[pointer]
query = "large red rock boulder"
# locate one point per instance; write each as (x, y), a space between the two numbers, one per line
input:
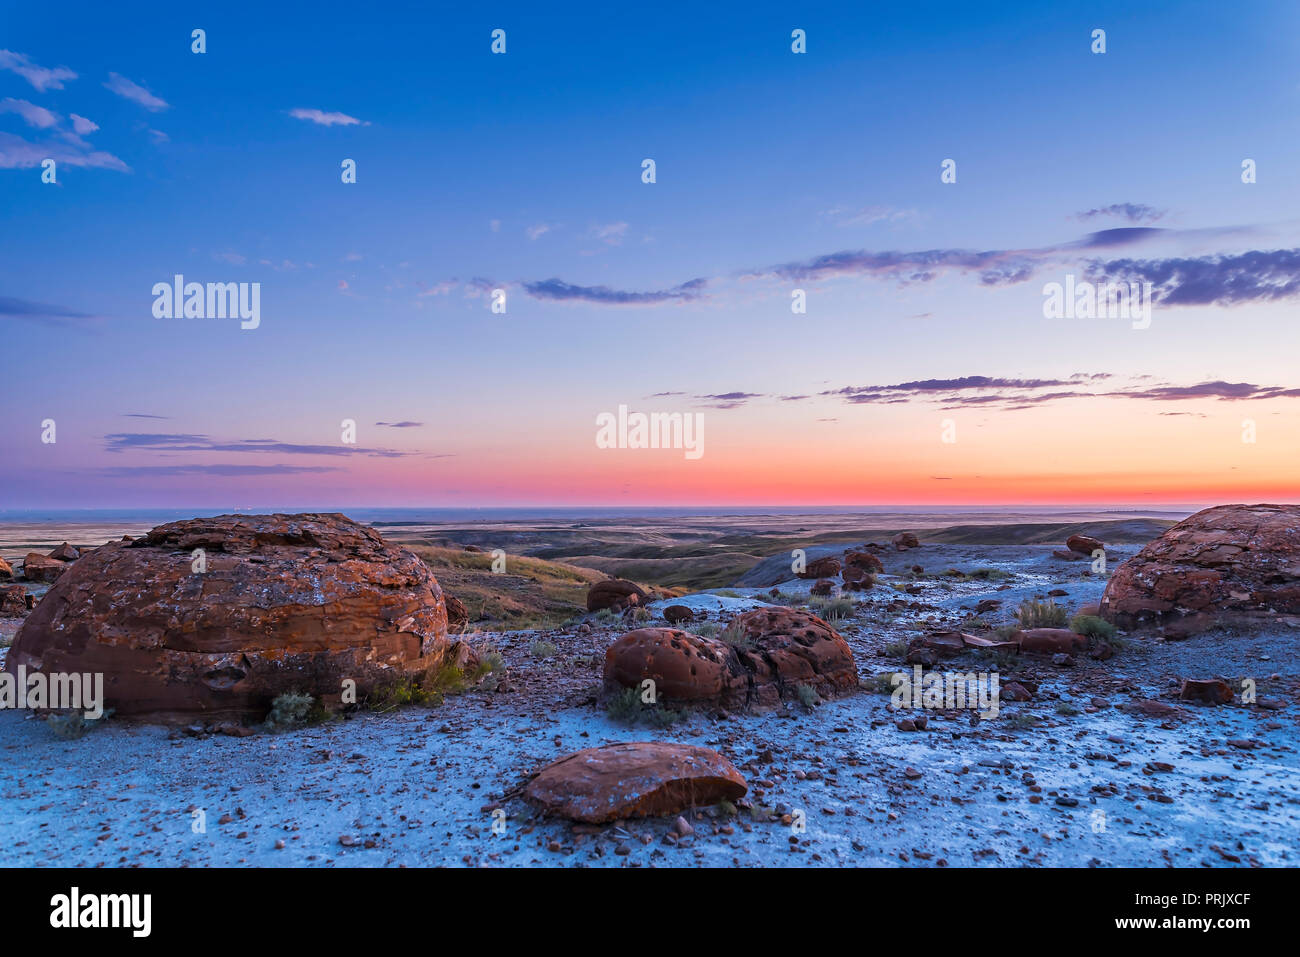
(1207, 690)
(683, 666)
(271, 604)
(42, 568)
(674, 614)
(1084, 544)
(905, 540)
(762, 658)
(821, 568)
(1229, 565)
(6, 571)
(615, 594)
(635, 779)
(864, 560)
(786, 647)
(66, 553)
(13, 601)
(857, 578)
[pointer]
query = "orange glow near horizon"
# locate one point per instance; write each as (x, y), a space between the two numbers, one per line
(1069, 454)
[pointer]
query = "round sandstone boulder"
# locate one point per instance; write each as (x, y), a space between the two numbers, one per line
(218, 616)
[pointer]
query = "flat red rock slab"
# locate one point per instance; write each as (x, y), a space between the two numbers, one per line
(635, 779)
(1209, 690)
(975, 641)
(1050, 641)
(1151, 709)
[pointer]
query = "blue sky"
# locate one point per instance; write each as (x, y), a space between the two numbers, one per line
(478, 170)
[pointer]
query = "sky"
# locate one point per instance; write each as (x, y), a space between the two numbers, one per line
(926, 367)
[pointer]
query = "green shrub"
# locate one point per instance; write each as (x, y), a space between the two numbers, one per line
(883, 683)
(542, 649)
(1000, 660)
(780, 598)
(75, 724)
(735, 636)
(831, 609)
(490, 660)
(1041, 614)
(290, 710)
(626, 707)
(436, 683)
(807, 696)
(1092, 626)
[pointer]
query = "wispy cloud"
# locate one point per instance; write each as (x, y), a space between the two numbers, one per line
(401, 425)
(868, 215)
(186, 442)
(132, 471)
(994, 267)
(559, 291)
(537, 231)
(727, 400)
(34, 116)
(17, 152)
(1011, 393)
(446, 287)
(1254, 276)
(321, 118)
(130, 90)
(1133, 212)
(39, 77)
(67, 149)
(611, 234)
(13, 308)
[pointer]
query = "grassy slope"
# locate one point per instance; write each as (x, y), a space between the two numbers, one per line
(530, 593)
(697, 573)
(1126, 532)
(551, 586)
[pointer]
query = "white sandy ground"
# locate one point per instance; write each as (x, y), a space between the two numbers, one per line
(420, 784)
